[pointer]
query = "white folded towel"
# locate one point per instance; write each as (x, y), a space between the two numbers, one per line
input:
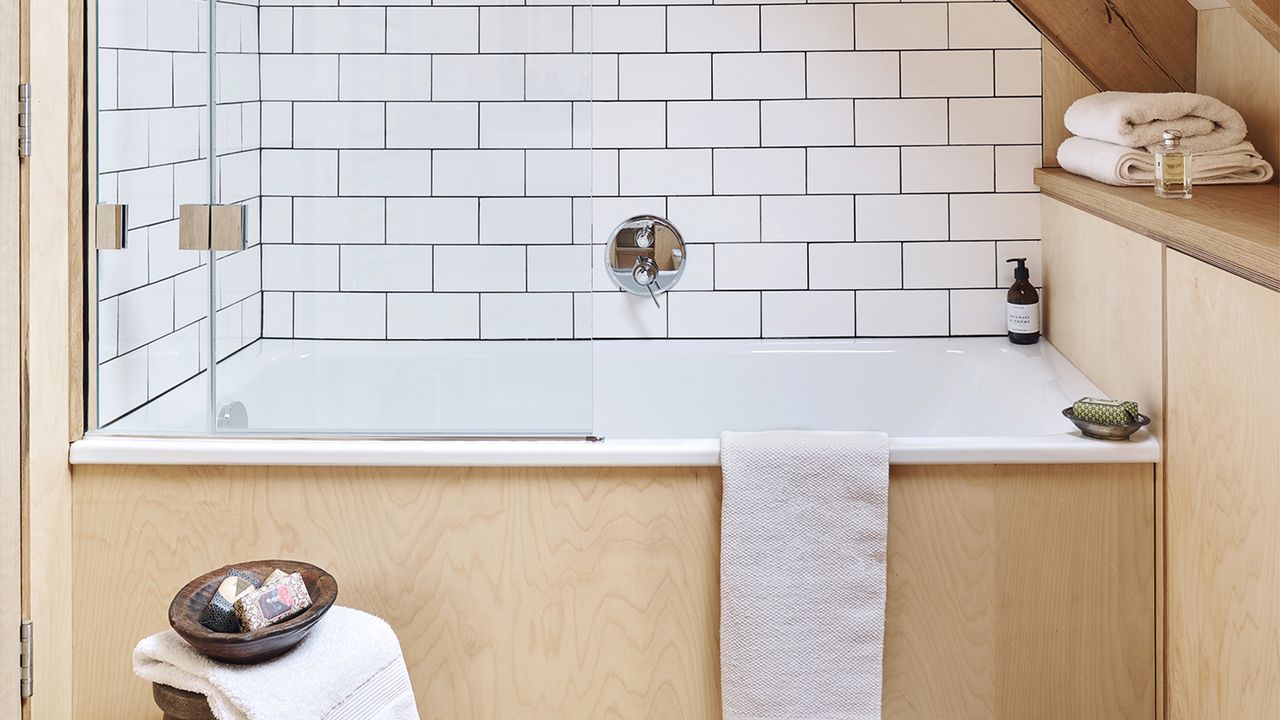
(802, 574)
(1117, 165)
(348, 668)
(1138, 119)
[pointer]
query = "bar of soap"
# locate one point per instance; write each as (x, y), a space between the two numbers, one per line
(1105, 412)
(276, 576)
(220, 615)
(270, 605)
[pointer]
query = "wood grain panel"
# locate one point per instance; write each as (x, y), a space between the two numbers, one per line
(1223, 498)
(1140, 45)
(1014, 592)
(1062, 84)
(1263, 15)
(1238, 67)
(10, 384)
(1103, 289)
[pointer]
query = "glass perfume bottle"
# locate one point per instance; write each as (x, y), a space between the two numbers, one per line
(1173, 167)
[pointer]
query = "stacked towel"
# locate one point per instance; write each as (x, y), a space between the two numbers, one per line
(348, 668)
(1117, 132)
(802, 574)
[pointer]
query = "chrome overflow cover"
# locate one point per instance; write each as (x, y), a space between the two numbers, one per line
(645, 256)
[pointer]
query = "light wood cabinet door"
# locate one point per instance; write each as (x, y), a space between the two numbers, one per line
(1222, 477)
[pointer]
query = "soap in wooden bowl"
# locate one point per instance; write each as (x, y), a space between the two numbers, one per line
(257, 646)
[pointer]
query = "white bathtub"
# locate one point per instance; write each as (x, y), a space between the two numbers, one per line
(616, 402)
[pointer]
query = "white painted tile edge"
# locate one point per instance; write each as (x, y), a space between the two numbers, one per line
(114, 450)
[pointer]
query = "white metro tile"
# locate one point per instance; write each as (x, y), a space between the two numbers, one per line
(946, 73)
(664, 77)
(146, 79)
(125, 25)
(623, 315)
(384, 172)
(652, 172)
(716, 219)
(277, 315)
(1015, 168)
(713, 314)
(855, 266)
(479, 268)
(338, 125)
(938, 169)
(995, 121)
(1029, 249)
(761, 266)
(720, 123)
(339, 30)
(905, 26)
(628, 124)
(526, 29)
(807, 314)
(299, 77)
(778, 171)
(300, 172)
(385, 77)
(277, 125)
(558, 77)
(807, 218)
(338, 220)
(526, 221)
(477, 77)
(852, 74)
(1017, 72)
(478, 172)
(299, 267)
(122, 385)
(604, 174)
(173, 359)
(620, 29)
(608, 213)
(123, 138)
(899, 313)
(433, 30)
(144, 315)
(385, 267)
(901, 217)
(978, 312)
(433, 221)
(275, 34)
(433, 125)
(563, 172)
(712, 28)
(1009, 216)
(149, 195)
(990, 25)
(948, 264)
(748, 76)
(806, 27)
(560, 268)
(433, 316)
(797, 123)
(526, 316)
(901, 122)
(853, 170)
(526, 125)
(340, 315)
(108, 324)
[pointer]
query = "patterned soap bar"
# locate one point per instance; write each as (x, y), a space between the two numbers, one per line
(275, 577)
(269, 605)
(1105, 412)
(219, 615)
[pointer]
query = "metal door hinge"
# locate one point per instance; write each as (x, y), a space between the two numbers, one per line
(24, 120)
(24, 659)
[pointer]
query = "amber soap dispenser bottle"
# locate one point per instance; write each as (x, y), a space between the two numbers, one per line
(1023, 306)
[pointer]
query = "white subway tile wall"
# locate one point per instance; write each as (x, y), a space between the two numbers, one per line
(154, 145)
(418, 171)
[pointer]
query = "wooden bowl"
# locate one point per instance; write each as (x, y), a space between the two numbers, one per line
(257, 646)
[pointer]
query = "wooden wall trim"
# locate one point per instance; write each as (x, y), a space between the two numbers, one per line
(10, 381)
(1139, 45)
(1062, 84)
(1263, 15)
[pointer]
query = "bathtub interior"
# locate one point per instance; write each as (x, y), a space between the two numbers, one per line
(669, 389)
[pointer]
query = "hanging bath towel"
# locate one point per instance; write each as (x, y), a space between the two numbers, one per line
(802, 574)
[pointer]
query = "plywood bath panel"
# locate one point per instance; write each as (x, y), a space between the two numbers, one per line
(1014, 592)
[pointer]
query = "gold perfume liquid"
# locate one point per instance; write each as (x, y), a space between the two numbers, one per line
(1173, 168)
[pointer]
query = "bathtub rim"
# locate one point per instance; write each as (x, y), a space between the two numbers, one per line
(102, 449)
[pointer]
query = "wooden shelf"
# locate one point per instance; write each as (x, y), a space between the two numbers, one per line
(1234, 227)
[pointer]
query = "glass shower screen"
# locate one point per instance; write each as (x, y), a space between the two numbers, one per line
(412, 186)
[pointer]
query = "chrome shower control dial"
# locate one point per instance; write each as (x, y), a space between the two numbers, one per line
(645, 256)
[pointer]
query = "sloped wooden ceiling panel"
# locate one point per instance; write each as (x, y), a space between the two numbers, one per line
(1139, 45)
(1263, 15)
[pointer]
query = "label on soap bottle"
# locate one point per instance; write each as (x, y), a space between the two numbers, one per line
(1024, 319)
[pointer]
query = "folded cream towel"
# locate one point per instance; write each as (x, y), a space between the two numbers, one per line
(1117, 165)
(1138, 119)
(802, 574)
(348, 668)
